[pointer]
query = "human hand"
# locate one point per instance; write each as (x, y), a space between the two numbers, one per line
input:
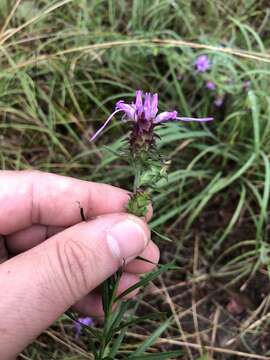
(51, 260)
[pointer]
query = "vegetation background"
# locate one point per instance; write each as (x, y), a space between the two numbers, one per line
(64, 64)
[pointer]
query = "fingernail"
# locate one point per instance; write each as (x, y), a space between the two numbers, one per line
(127, 238)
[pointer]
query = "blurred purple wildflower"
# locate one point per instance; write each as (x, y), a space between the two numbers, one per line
(202, 63)
(246, 85)
(80, 323)
(219, 101)
(210, 85)
(144, 115)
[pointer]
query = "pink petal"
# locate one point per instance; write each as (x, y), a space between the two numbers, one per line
(165, 116)
(104, 125)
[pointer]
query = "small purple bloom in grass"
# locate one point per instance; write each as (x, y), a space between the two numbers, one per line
(202, 63)
(246, 85)
(144, 115)
(219, 101)
(210, 85)
(80, 323)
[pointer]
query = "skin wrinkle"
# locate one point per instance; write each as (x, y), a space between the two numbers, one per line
(63, 268)
(35, 208)
(74, 253)
(51, 283)
(42, 294)
(19, 319)
(72, 258)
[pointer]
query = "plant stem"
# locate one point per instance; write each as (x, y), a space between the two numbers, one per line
(137, 175)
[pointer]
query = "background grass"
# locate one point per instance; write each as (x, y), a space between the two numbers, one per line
(64, 64)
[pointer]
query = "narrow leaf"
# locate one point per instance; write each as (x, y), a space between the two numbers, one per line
(150, 340)
(166, 355)
(148, 278)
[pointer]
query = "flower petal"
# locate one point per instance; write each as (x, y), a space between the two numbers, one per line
(104, 125)
(80, 323)
(147, 106)
(210, 85)
(87, 321)
(194, 119)
(154, 106)
(165, 116)
(129, 110)
(219, 101)
(202, 63)
(138, 101)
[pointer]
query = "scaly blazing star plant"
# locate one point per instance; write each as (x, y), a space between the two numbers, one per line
(147, 163)
(144, 116)
(149, 167)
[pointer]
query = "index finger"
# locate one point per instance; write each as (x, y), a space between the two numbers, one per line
(33, 197)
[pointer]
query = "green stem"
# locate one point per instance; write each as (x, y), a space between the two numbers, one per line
(137, 175)
(113, 282)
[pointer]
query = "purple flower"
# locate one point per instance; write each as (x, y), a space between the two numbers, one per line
(80, 324)
(219, 101)
(202, 63)
(210, 85)
(144, 116)
(246, 85)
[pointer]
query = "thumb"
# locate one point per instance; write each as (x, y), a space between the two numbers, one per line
(40, 284)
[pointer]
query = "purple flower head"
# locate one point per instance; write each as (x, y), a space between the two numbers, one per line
(144, 116)
(80, 323)
(202, 63)
(210, 85)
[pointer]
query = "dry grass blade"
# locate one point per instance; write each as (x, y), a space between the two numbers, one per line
(194, 307)
(137, 42)
(69, 345)
(10, 17)
(208, 348)
(176, 318)
(9, 34)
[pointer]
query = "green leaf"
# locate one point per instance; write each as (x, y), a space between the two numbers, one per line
(146, 260)
(27, 10)
(150, 340)
(109, 288)
(204, 357)
(149, 277)
(140, 319)
(113, 152)
(161, 236)
(253, 102)
(116, 320)
(165, 355)
(117, 343)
